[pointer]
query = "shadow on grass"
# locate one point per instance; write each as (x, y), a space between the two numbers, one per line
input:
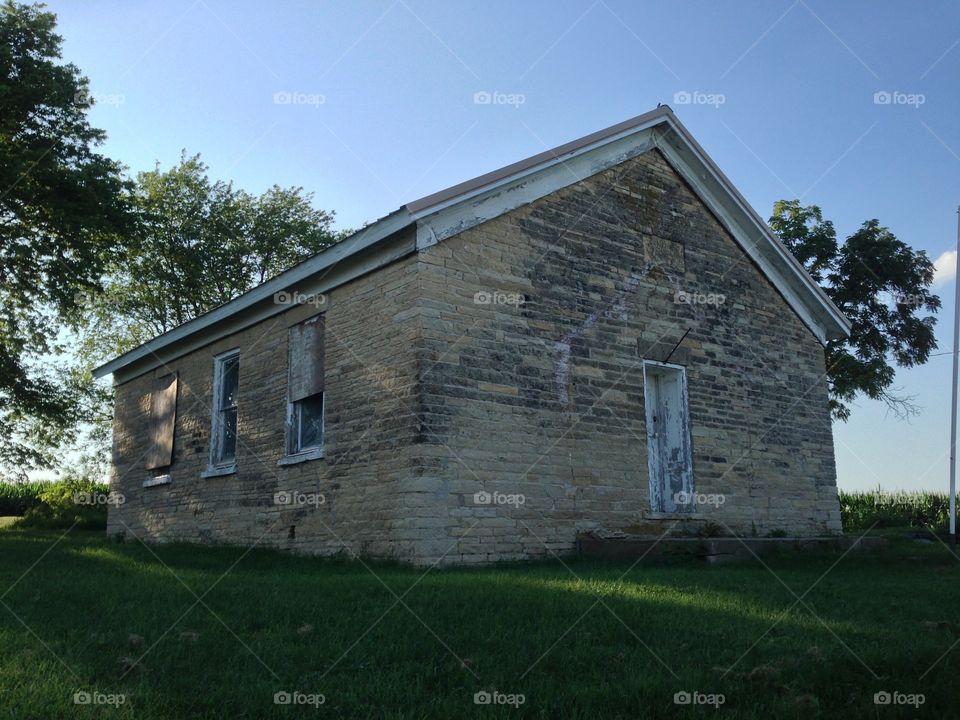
(580, 639)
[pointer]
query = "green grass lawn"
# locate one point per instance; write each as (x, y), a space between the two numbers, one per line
(216, 632)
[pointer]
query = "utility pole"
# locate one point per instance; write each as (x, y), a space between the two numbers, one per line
(953, 407)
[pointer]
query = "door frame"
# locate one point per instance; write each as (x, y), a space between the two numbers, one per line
(657, 500)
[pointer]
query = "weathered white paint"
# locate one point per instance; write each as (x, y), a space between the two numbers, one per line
(453, 219)
(157, 480)
(669, 451)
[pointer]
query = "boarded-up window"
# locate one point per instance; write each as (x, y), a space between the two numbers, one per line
(163, 417)
(306, 359)
(305, 387)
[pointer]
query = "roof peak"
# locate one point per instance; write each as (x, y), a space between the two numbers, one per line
(465, 187)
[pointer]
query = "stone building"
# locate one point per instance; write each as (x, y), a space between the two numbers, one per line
(604, 338)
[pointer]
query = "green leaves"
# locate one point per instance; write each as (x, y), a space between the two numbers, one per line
(63, 213)
(199, 244)
(83, 247)
(812, 240)
(882, 285)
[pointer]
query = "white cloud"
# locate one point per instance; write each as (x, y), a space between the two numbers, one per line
(945, 268)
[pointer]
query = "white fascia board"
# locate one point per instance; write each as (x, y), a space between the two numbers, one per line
(439, 222)
(800, 290)
(750, 243)
(318, 274)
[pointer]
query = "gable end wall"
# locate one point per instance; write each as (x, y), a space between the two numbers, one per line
(534, 387)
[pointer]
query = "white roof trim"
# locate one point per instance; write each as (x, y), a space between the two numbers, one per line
(451, 211)
(454, 216)
(290, 279)
(800, 290)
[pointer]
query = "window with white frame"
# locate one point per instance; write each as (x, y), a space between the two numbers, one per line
(305, 426)
(223, 435)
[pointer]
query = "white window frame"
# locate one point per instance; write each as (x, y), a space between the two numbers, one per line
(294, 451)
(215, 466)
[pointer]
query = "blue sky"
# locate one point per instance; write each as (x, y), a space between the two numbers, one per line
(372, 104)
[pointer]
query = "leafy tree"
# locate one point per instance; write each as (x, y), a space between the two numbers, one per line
(62, 214)
(882, 285)
(199, 244)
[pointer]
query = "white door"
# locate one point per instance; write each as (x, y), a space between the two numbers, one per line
(669, 456)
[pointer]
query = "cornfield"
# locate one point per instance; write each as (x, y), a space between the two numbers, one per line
(882, 509)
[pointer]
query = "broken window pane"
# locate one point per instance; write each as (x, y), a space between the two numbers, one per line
(308, 423)
(228, 437)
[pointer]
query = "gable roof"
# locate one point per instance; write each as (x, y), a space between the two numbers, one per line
(433, 218)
